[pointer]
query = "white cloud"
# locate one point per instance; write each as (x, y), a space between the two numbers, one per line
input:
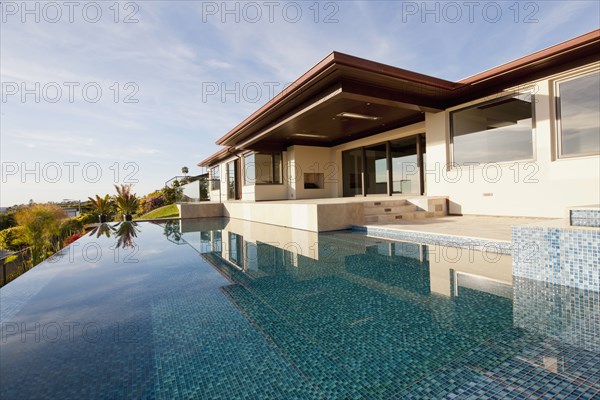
(218, 64)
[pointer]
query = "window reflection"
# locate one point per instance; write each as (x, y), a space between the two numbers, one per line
(493, 132)
(405, 169)
(377, 174)
(263, 169)
(579, 115)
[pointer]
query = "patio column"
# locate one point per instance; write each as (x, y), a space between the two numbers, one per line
(363, 176)
(420, 164)
(388, 156)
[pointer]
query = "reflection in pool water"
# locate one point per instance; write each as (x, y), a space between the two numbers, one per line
(125, 232)
(231, 309)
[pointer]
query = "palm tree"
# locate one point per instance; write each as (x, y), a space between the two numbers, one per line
(185, 170)
(126, 232)
(102, 229)
(102, 205)
(127, 202)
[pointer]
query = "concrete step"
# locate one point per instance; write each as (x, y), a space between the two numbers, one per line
(399, 217)
(385, 203)
(369, 219)
(384, 210)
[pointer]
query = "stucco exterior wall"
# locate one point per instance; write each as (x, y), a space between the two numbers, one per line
(311, 160)
(542, 187)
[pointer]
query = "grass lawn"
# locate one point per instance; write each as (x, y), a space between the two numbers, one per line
(169, 211)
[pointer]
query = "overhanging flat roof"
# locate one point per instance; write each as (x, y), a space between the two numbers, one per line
(307, 112)
(218, 156)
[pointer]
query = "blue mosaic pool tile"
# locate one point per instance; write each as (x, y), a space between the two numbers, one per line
(531, 367)
(567, 313)
(567, 257)
(413, 350)
(206, 349)
(536, 372)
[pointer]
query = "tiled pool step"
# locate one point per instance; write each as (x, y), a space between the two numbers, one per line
(496, 246)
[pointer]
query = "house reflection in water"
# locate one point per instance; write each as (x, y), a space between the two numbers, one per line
(260, 250)
(345, 305)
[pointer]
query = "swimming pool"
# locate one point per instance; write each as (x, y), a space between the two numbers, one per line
(229, 309)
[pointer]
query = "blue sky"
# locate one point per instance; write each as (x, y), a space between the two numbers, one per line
(171, 61)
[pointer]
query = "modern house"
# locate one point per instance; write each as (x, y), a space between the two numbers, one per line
(521, 139)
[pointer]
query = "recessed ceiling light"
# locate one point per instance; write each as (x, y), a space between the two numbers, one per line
(358, 116)
(309, 135)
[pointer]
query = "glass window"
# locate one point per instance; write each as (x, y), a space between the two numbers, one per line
(404, 159)
(377, 172)
(352, 172)
(493, 132)
(249, 169)
(215, 176)
(277, 168)
(578, 115)
(232, 180)
(263, 169)
(406, 177)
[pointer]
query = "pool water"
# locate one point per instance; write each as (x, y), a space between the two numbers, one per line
(199, 310)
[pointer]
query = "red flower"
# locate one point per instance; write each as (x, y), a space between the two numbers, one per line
(73, 238)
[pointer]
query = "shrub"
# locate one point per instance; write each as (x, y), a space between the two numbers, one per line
(7, 220)
(12, 238)
(41, 229)
(172, 194)
(204, 195)
(151, 202)
(70, 227)
(10, 259)
(86, 219)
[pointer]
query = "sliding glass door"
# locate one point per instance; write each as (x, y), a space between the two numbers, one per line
(352, 167)
(405, 166)
(376, 175)
(233, 181)
(394, 167)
